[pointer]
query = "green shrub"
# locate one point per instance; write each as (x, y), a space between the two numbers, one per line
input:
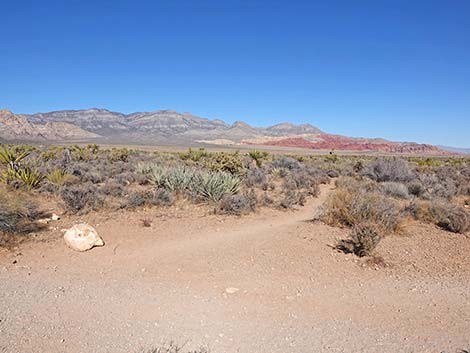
(258, 156)
(224, 162)
(194, 156)
(118, 154)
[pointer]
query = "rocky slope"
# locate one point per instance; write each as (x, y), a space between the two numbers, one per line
(15, 127)
(174, 128)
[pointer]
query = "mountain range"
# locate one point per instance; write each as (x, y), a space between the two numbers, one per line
(168, 127)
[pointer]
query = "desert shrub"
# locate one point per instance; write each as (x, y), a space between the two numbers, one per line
(238, 204)
(448, 216)
(79, 153)
(225, 162)
(434, 186)
(256, 177)
(157, 197)
(332, 173)
(287, 163)
(416, 188)
(80, 197)
(59, 177)
(258, 156)
(354, 184)
(351, 207)
(213, 186)
(394, 189)
(193, 155)
(112, 188)
(362, 241)
(134, 199)
(389, 170)
(292, 198)
(93, 177)
(118, 154)
(17, 216)
(125, 178)
(161, 197)
(172, 347)
(303, 178)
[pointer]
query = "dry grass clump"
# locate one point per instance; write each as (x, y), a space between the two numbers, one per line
(353, 207)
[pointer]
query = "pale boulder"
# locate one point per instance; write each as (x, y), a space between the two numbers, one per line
(82, 237)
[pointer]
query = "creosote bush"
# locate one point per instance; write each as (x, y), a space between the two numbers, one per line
(17, 217)
(394, 189)
(238, 204)
(444, 214)
(352, 207)
(81, 198)
(396, 169)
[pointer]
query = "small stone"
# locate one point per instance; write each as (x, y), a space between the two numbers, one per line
(55, 217)
(231, 290)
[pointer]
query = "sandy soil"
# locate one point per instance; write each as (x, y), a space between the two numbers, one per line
(177, 281)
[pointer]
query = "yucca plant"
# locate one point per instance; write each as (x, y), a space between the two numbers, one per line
(179, 178)
(213, 186)
(29, 177)
(11, 158)
(143, 168)
(157, 175)
(8, 176)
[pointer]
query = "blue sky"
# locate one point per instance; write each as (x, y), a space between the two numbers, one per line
(393, 69)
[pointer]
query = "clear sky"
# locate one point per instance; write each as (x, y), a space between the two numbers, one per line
(393, 69)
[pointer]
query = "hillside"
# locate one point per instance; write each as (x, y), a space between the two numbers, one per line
(168, 127)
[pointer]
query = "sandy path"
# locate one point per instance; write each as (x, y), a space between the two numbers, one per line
(295, 294)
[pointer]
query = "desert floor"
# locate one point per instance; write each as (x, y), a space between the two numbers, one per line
(266, 282)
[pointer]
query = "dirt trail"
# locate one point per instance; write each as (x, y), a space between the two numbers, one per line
(267, 282)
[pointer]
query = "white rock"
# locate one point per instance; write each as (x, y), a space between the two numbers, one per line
(82, 237)
(231, 290)
(55, 217)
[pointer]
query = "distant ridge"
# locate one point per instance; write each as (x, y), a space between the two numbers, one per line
(169, 127)
(455, 149)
